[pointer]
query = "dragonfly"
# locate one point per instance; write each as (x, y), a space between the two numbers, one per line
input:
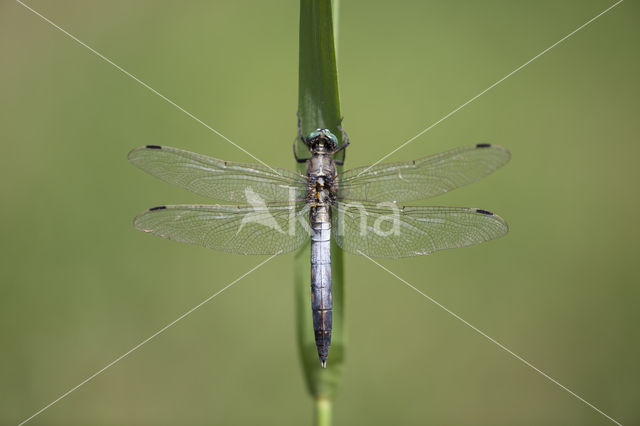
(275, 211)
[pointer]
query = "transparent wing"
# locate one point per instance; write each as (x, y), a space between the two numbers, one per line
(423, 178)
(233, 229)
(218, 179)
(386, 230)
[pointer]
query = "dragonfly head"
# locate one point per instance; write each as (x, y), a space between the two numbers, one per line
(321, 140)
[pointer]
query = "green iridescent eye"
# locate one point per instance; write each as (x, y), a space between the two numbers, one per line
(333, 138)
(313, 135)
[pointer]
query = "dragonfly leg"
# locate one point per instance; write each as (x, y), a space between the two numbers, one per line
(295, 141)
(345, 138)
(346, 143)
(300, 135)
(295, 153)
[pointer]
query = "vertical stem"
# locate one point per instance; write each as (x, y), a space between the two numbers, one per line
(319, 107)
(322, 412)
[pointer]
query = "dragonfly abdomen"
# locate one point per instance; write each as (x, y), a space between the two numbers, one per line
(321, 299)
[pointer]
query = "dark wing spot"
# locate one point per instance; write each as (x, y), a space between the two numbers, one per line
(483, 145)
(153, 147)
(152, 209)
(488, 213)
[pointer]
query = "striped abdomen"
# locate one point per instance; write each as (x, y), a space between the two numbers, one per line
(321, 299)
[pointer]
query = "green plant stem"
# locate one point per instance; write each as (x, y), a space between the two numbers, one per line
(319, 107)
(323, 408)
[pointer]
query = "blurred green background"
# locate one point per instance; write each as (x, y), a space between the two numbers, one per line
(79, 286)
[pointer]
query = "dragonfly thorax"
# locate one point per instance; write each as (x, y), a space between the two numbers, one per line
(322, 177)
(323, 194)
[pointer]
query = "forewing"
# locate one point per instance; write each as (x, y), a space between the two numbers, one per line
(218, 179)
(423, 178)
(386, 231)
(234, 229)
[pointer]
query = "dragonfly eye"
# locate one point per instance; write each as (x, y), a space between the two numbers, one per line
(313, 135)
